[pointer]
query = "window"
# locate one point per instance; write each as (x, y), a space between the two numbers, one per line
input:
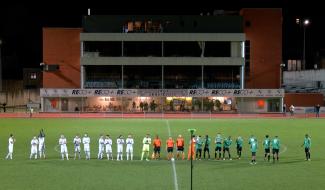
(33, 76)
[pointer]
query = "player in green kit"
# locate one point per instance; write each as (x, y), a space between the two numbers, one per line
(239, 143)
(198, 146)
(267, 145)
(218, 142)
(251, 139)
(226, 147)
(275, 148)
(307, 145)
(207, 141)
(253, 150)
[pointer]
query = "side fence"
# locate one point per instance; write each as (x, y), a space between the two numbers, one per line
(155, 115)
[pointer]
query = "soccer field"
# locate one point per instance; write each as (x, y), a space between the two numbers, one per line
(291, 172)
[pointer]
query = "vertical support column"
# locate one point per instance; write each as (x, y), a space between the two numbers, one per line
(162, 49)
(82, 77)
(82, 104)
(122, 49)
(281, 104)
(82, 69)
(242, 76)
(162, 76)
(122, 76)
(202, 76)
(42, 104)
(242, 68)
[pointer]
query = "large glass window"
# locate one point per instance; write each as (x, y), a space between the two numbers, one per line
(181, 77)
(221, 77)
(182, 49)
(142, 76)
(103, 76)
(217, 49)
(103, 49)
(142, 49)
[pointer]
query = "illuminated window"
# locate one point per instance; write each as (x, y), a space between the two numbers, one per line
(33, 76)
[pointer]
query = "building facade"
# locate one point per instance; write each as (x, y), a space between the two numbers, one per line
(167, 63)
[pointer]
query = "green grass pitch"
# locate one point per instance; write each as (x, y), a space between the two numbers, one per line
(292, 172)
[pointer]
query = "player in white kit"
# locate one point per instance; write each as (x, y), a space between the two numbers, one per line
(33, 149)
(108, 145)
(129, 147)
(76, 143)
(63, 146)
(86, 143)
(120, 142)
(41, 144)
(146, 144)
(11, 142)
(101, 147)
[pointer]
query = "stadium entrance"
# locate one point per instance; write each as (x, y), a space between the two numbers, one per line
(162, 100)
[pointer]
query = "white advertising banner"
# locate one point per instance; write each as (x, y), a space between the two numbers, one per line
(47, 92)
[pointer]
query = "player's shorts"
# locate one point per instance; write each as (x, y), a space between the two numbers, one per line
(145, 148)
(33, 150)
(267, 150)
(108, 149)
(77, 149)
(87, 148)
(206, 149)
(225, 149)
(218, 149)
(41, 147)
(156, 150)
(239, 148)
(119, 148)
(180, 148)
(129, 148)
(10, 149)
(253, 153)
(170, 149)
(307, 149)
(64, 149)
(275, 151)
(101, 148)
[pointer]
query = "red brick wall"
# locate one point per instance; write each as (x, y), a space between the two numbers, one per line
(265, 35)
(62, 46)
(303, 99)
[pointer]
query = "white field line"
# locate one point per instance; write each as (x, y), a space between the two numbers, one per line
(173, 161)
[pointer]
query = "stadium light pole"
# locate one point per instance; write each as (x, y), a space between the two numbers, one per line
(192, 132)
(304, 24)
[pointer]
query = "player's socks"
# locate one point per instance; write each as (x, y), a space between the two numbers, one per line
(67, 156)
(142, 155)
(62, 155)
(127, 156)
(268, 157)
(131, 156)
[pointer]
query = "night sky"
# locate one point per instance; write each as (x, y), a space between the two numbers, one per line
(21, 25)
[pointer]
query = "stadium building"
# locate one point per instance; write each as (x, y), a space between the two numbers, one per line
(227, 62)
